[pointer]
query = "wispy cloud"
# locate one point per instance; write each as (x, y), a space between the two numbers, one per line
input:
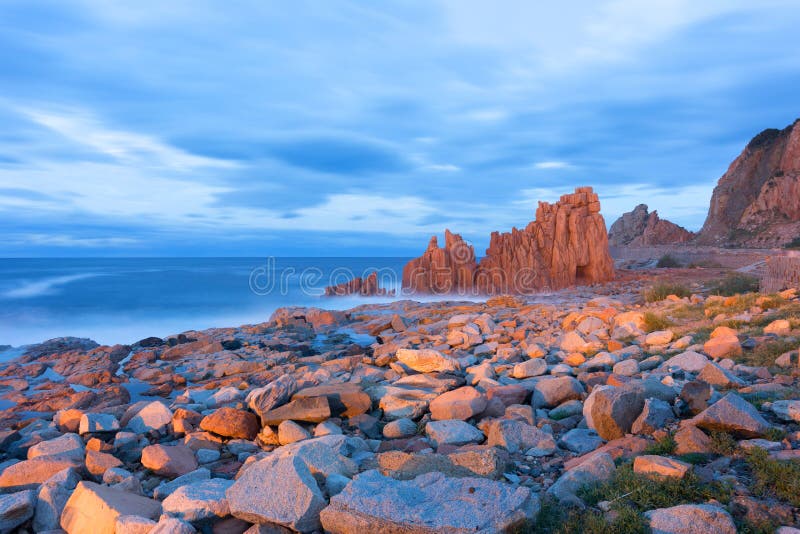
(552, 165)
(80, 127)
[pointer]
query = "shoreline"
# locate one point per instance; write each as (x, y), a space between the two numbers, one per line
(517, 395)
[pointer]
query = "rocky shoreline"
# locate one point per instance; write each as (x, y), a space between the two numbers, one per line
(510, 415)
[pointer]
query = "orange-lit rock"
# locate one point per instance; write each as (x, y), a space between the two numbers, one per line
(566, 245)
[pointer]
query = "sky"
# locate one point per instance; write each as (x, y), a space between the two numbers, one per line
(339, 128)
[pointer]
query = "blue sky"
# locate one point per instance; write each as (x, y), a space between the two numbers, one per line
(361, 128)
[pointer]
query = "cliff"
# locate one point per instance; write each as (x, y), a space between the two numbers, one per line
(565, 245)
(756, 203)
(640, 228)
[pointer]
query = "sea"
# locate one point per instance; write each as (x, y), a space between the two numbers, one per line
(122, 300)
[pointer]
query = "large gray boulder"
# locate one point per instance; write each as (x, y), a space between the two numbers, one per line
(273, 395)
(691, 519)
(431, 503)
(611, 411)
(599, 468)
(16, 508)
(200, 501)
(732, 414)
(278, 490)
(552, 391)
(52, 498)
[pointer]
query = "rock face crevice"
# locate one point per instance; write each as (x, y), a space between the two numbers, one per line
(566, 245)
(639, 228)
(756, 203)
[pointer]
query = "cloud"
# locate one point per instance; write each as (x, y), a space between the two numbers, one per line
(67, 241)
(441, 167)
(339, 155)
(552, 165)
(369, 126)
(80, 127)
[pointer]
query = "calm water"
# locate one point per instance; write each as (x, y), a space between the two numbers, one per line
(124, 300)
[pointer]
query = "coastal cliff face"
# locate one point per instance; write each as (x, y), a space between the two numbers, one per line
(566, 245)
(756, 203)
(640, 228)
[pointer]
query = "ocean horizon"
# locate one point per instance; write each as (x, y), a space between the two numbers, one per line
(122, 300)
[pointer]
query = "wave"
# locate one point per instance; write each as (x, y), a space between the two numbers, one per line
(45, 286)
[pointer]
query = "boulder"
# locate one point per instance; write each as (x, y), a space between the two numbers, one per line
(732, 414)
(28, 474)
(274, 394)
(95, 508)
(97, 463)
(529, 368)
(716, 375)
(660, 466)
(690, 439)
(427, 360)
(291, 432)
(400, 428)
(724, 343)
(231, 423)
(345, 400)
(517, 436)
(430, 503)
(552, 391)
(310, 410)
(52, 497)
(659, 337)
(461, 403)
(97, 423)
(611, 411)
(599, 467)
(169, 460)
(779, 327)
(16, 508)
(66, 446)
(691, 519)
(656, 414)
(696, 394)
(787, 410)
(199, 501)
(580, 440)
(452, 432)
(278, 490)
(690, 361)
(152, 417)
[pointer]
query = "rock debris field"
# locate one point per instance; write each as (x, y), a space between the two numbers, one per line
(588, 410)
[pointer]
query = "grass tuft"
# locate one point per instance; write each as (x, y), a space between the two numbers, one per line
(774, 478)
(735, 284)
(656, 321)
(662, 290)
(668, 261)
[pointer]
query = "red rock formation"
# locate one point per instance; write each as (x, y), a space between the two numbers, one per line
(639, 228)
(442, 270)
(757, 201)
(566, 245)
(366, 287)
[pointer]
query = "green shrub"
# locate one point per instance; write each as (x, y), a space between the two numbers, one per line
(774, 478)
(662, 447)
(723, 444)
(655, 321)
(644, 493)
(735, 284)
(661, 291)
(668, 261)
